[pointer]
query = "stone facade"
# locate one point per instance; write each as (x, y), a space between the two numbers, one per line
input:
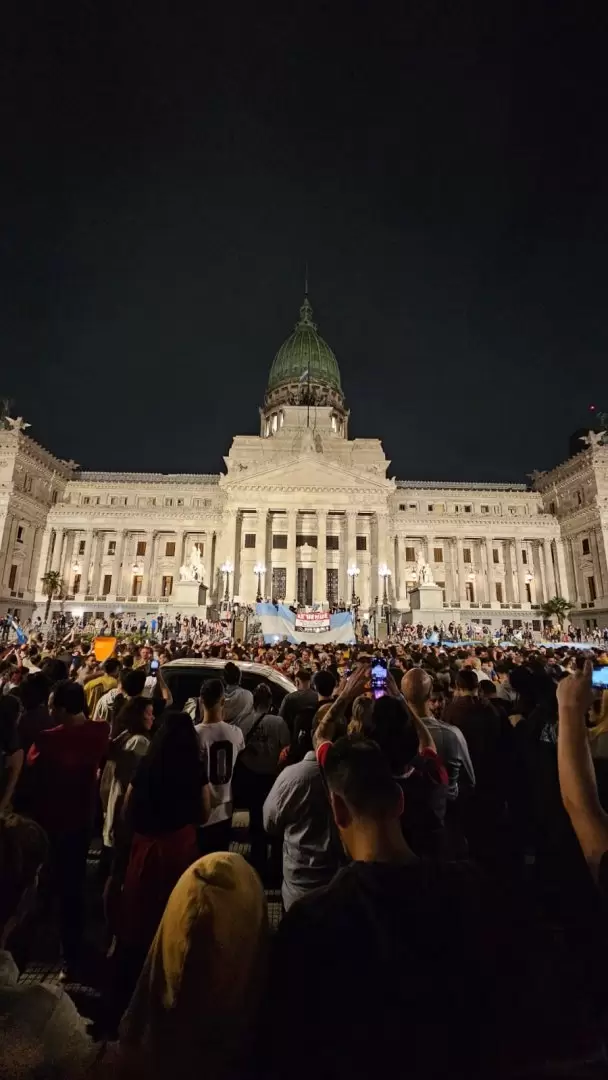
(297, 507)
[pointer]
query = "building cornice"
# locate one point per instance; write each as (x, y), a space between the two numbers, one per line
(458, 486)
(145, 478)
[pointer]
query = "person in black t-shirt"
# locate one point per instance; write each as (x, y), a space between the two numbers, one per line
(412, 959)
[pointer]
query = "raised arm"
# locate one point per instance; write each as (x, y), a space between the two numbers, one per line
(576, 772)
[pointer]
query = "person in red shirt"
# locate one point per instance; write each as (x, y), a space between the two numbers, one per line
(65, 760)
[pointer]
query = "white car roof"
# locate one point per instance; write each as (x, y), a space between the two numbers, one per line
(194, 662)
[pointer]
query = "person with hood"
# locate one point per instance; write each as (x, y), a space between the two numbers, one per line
(238, 702)
(197, 999)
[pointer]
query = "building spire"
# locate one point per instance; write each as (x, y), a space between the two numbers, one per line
(306, 280)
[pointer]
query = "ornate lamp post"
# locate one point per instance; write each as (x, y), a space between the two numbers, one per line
(259, 569)
(353, 573)
(384, 573)
(226, 569)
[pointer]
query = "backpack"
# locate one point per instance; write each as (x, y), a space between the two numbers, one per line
(301, 742)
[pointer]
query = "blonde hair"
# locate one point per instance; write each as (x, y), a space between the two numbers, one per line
(361, 716)
(602, 724)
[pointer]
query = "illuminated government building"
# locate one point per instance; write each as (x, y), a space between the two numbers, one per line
(304, 504)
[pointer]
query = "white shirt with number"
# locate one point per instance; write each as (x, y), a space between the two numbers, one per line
(220, 744)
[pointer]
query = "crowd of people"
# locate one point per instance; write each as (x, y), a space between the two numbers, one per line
(433, 815)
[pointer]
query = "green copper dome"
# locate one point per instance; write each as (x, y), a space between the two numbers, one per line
(303, 348)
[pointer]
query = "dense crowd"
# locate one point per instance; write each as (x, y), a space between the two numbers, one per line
(432, 813)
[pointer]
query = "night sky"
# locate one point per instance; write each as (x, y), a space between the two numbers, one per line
(167, 170)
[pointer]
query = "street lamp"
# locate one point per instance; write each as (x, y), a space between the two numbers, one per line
(353, 573)
(384, 573)
(226, 568)
(259, 569)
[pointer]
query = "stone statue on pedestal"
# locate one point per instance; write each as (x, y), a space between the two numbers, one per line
(425, 574)
(193, 570)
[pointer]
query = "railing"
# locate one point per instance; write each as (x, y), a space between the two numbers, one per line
(473, 604)
(120, 599)
(134, 599)
(486, 605)
(89, 596)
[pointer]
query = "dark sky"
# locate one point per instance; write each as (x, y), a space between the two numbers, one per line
(168, 169)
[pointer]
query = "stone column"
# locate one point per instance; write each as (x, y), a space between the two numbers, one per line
(564, 587)
(401, 570)
(490, 590)
(550, 588)
(30, 582)
(121, 538)
(602, 555)
(580, 594)
(521, 573)
(97, 561)
(320, 584)
(58, 550)
(291, 586)
(10, 547)
(229, 547)
(540, 580)
(44, 557)
(86, 563)
(148, 564)
(597, 566)
(462, 590)
(260, 547)
(508, 558)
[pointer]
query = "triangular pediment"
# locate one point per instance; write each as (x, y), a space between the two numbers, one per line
(308, 472)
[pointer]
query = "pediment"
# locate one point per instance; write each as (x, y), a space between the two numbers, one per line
(308, 472)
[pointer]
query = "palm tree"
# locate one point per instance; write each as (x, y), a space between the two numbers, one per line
(558, 607)
(51, 585)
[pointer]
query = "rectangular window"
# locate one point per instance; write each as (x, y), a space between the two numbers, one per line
(12, 577)
(76, 585)
(499, 592)
(179, 502)
(20, 532)
(591, 585)
(279, 582)
(528, 592)
(402, 506)
(438, 554)
(332, 543)
(166, 585)
(170, 549)
(168, 502)
(470, 590)
(81, 546)
(249, 541)
(279, 540)
(86, 500)
(579, 498)
(54, 497)
(304, 538)
(412, 506)
(141, 549)
(495, 555)
(331, 577)
(466, 555)
(468, 509)
(107, 584)
(410, 554)
(136, 585)
(484, 509)
(430, 507)
(362, 543)
(513, 510)
(524, 556)
(111, 547)
(27, 483)
(586, 545)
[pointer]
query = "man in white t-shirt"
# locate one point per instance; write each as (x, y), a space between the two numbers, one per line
(220, 744)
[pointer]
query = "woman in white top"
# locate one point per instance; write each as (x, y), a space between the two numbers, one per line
(126, 750)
